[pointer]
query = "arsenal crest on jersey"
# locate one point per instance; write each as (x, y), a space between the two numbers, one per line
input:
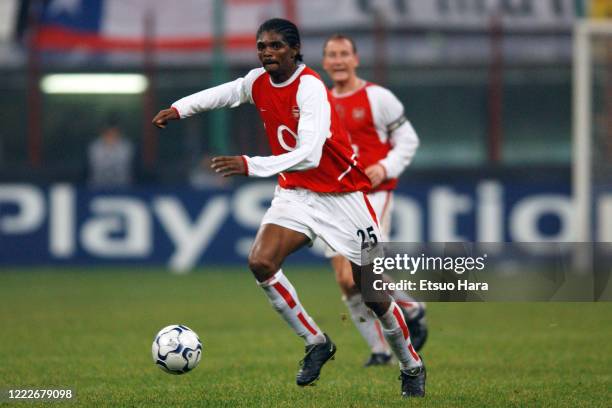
(295, 112)
(358, 113)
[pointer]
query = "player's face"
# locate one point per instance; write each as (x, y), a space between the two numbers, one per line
(339, 60)
(276, 56)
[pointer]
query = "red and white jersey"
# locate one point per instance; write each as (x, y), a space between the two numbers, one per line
(378, 129)
(310, 147)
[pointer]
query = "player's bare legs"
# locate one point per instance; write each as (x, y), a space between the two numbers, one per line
(364, 319)
(344, 275)
(272, 245)
(378, 301)
(395, 330)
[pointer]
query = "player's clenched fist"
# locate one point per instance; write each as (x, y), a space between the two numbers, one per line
(229, 165)
(376, 173)
(163, 116)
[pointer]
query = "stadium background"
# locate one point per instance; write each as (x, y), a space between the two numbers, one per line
(487, 85)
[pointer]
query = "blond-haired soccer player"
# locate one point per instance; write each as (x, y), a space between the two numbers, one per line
(385, 143)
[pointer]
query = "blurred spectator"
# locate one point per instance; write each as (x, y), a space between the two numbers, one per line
(110, 158)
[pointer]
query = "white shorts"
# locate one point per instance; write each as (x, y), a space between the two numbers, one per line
(342, 220)
(382, 203)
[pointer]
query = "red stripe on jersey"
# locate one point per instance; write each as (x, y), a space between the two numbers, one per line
(400, 320)
(306, 324)
(285, 294)
(370, 209)
(414, 353)
(176, 110)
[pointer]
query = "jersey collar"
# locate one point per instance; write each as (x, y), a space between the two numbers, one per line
(297, 73)
(347, 94)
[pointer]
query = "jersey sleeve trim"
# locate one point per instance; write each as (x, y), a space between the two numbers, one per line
(246, 165)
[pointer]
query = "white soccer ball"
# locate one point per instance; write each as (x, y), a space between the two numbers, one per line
(176, 349)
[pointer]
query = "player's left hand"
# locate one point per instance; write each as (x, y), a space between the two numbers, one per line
(376, 173)
(229, 166)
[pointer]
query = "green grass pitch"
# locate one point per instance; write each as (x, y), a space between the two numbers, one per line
(91, 330)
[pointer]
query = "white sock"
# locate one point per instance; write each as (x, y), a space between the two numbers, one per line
(368, 325)
(407, 303)
(284, 300)
(398, 337)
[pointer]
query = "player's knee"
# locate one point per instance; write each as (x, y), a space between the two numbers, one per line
(261, 266)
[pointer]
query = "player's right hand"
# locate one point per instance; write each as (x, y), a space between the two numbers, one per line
(376, 173)
(163, 116)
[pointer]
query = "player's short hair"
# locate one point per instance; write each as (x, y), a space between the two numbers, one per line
(287, 29)
(339, 36)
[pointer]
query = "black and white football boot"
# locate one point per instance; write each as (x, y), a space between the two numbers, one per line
(413, 382)
(316, 356)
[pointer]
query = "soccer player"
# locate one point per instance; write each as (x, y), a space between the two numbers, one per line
(319, 193)
(385, 143)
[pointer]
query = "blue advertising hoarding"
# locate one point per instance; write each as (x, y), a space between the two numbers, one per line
(182, 228)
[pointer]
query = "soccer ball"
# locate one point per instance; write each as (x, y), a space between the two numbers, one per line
(176, 349)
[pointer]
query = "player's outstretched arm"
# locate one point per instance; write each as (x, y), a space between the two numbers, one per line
(163, 116)
(227, 95)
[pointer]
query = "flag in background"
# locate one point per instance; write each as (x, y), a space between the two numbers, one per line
(108, 25)
(121, 25)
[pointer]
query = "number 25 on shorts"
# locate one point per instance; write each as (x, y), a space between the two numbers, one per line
(368, 233)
